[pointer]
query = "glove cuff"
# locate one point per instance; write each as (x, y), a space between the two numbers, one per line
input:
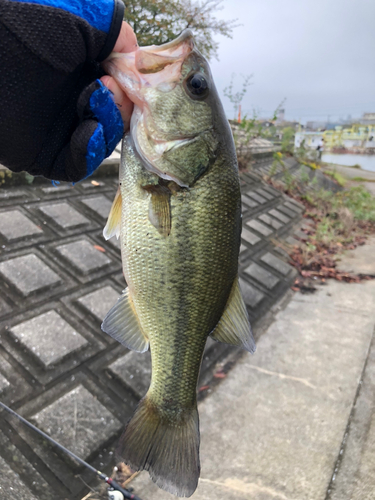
(114, 31)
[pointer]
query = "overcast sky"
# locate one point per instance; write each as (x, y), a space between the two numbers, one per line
(318, 54)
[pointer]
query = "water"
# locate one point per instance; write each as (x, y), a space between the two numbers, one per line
(367, 162)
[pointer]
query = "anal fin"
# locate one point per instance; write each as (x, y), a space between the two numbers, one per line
(122, 324)
(234, 326)
(114, 218)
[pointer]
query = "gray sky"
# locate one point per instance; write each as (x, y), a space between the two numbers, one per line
(319, 54)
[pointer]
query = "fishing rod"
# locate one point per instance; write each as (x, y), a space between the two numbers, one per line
(102, 476)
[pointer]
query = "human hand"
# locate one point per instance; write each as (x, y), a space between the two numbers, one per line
(126, 42)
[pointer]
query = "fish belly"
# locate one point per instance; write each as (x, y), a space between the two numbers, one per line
(179, 285)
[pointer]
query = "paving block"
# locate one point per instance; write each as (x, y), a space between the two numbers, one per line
(279, 215)
(83, 256)
(248, 201)
(100, 302)
(135, 370)
(14, 224)
(11, 485)
(4, 307)
(295, 208)
(115, 242)
(78, 421)
(256, 197)
(265, 194)
(296, 204)
(251, 296)
(28, 274)
(57, 189)
(89, 185)
(264, 277)
(301, 235)
(273, 261)
(4, 383)
(64, 215)
(271, 190)
(270, 221)
(292, 241)
(99, 204)
(287, 211)
(249, 237)
(243, 248)
(49, 337)
(258, 226)
(11, 193)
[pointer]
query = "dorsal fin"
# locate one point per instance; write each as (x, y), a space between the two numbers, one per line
(122, 324)
(234, 326)
(114, 218)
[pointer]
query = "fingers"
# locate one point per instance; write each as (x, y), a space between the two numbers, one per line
(126, 41)
(121, 99)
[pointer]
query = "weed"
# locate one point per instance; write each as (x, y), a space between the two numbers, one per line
(361, 179)
(341, 181)
(339, 221)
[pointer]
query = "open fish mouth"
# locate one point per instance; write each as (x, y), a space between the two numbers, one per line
(171, 125)
(151, 66)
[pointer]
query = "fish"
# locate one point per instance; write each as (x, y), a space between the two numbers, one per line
(177, 213)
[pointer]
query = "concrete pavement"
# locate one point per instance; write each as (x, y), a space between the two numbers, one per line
(296, 421)
(58, 279)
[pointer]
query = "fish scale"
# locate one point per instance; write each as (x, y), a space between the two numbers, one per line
(180, 236)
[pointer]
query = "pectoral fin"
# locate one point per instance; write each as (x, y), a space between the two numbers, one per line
(114, 218)
(122, 324)
(234, 327)
(159, 212)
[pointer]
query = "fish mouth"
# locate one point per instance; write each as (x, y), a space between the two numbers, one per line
(186, 37)
(151, 66)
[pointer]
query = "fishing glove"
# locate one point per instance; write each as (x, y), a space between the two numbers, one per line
(56, 118)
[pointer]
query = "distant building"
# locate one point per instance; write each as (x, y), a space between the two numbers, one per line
(315, 125)
(311, 140)
(368, 119)
(357, 139)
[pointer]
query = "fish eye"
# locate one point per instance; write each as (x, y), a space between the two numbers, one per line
(197, 86)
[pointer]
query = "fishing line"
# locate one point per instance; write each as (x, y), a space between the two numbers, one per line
(102, 476)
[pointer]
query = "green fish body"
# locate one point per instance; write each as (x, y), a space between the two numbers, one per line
(179, 219)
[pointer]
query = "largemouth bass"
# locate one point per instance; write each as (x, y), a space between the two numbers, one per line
(178, 215)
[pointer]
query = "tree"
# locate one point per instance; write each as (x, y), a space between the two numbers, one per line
(160, 21)
(236, 97)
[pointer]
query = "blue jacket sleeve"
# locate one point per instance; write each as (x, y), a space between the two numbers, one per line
(56, 118)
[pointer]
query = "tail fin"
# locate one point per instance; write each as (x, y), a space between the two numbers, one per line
(167, 448)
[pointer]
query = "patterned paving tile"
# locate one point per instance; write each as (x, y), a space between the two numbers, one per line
(64, 215)
(78, 421)
(99, 302)
(49, 337)
(14, 224)
(28, 274)
(83, 256)
(99, 204)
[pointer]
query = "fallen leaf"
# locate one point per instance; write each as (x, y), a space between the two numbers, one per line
(101, 249)
(204, 388)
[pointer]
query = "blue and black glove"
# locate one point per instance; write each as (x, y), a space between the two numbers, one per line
(56, 118)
